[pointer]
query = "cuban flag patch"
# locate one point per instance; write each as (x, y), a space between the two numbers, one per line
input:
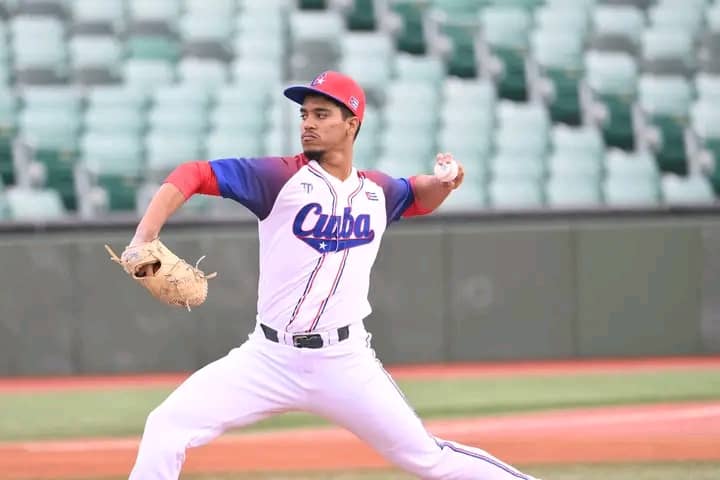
(371, 196)
(354, 103)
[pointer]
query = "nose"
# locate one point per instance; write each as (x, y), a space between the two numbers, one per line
(308, 124)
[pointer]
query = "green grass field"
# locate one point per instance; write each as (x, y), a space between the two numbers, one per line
(57, 415)
(661, 471)
(666, 471)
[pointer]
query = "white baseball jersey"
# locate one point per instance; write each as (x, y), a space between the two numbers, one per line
(319, 236)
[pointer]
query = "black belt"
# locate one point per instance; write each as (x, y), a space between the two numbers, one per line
(305, 340)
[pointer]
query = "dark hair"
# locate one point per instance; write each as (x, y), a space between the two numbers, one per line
(344, 111)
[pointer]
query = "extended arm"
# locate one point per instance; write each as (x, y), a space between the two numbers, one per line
(185, 181)
(431, 192)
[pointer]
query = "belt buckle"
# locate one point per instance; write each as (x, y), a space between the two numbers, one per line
(312, 340)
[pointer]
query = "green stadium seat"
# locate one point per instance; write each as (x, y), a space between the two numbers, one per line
(114, 163)
(571, 191)
(361, 16)
(411, 35)
(569, 164)
(523, 117)
(214, 8)
(400, 165)
(666, 103)
(316, 32)
(205, 72)
(259, 22)
(686, 16)
(403, 144)
(471, 197)
(153, 47)
(229, 144)
(241, 121)
(515, 193)
(148, 74)
(166, 11)
(563, 19)
(372, 75)
(181, 120)
(693, 189)
(507, 166)
(182, 95)
(419, 68)
(98, 55)
(713, 17)
(166, 151)
(122, 119)
(612, 78)
(506, 31)
(669, 52)
(263, 71)
(93, 51)
(627, 192)
(63, 97)
(459, 10)
(631, 165)
(112, 153)
(252, 95)
(206, 26)
(559, 57)
(708, 87)
(617, 28)
(8, 123)
(109, 96)
(577, 141)
(534, 143)
(471, 145)
(365, 151)
(108, 12)
(251, 47)
(705, 120)
(378, 45)
(32, 204)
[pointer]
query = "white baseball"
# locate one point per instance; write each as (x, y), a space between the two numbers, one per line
(446, 171)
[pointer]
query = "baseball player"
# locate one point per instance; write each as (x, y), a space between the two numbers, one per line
(320, 221)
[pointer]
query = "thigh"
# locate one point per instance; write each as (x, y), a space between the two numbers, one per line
(248, 384)
(358, 394)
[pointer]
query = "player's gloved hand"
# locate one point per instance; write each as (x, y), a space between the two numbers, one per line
(455, 170)
(166, 276)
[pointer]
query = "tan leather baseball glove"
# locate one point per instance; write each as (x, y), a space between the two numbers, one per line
(171, 280)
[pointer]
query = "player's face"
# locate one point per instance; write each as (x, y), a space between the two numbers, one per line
(323, 127)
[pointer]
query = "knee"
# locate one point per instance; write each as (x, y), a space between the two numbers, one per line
(162, 423)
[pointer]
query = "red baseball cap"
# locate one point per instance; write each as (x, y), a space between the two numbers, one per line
(335, 85)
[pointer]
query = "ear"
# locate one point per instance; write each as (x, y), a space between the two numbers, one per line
(354, 124)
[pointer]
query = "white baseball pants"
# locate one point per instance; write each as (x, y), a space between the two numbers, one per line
(344, 383)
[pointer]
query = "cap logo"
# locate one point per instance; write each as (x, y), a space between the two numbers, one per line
(319, 80)
(354, 103)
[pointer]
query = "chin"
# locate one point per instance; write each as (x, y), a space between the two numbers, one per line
(314, 154)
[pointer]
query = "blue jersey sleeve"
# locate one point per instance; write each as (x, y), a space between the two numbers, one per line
(398, 193)
(254, 182)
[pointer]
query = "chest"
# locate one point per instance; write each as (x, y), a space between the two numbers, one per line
(333, 216)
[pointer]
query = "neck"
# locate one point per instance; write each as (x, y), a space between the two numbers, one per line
(337, 164)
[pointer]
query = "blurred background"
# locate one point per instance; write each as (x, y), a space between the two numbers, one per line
(587, 225)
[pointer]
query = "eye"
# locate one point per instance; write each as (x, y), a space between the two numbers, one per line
(322, 115)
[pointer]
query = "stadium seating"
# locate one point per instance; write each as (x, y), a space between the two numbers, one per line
(549, 103)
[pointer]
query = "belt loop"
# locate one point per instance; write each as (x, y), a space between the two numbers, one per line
(270, 333)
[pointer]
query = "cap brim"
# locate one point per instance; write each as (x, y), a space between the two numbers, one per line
(297, 93)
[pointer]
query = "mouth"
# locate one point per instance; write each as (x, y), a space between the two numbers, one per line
(308, 137)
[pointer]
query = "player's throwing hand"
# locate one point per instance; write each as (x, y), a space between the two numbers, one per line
(449, 171)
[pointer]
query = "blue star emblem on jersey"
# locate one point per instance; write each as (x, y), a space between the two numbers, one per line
(332, 233)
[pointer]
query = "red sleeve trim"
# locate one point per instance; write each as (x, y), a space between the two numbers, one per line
(194, 177)
(415, 209)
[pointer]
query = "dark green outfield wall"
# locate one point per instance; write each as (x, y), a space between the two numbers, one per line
(487, 287)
